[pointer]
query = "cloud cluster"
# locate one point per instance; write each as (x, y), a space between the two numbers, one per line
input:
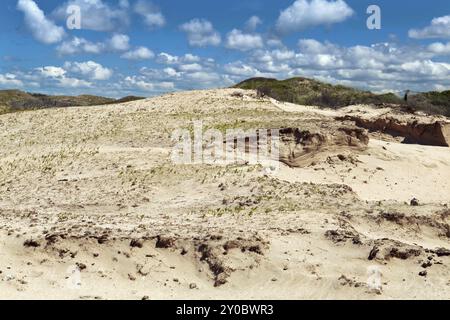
(440, 48)
(238, 40)
(90, 69)
(303, 14)
(10, 80)
(439, 28)
(201, 33)
(58, 76)
(380, 67)
(252, 23)
(116, 43)
(97, 15)
(187, 71)
(71, 75)
(43, 29)
(141, 83)
(152, 16)
(140, 53)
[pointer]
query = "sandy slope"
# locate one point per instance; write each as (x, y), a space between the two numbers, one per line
(93, 190)
(386, 171)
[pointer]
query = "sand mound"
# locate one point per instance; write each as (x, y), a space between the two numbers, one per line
(303, 147)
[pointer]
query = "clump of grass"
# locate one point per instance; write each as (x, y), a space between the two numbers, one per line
(311, 92)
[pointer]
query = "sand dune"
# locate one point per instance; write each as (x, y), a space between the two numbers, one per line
(92, 207)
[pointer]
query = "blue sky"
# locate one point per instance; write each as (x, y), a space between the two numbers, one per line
(144, 47)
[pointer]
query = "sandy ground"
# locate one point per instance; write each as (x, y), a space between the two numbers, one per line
(91, 207)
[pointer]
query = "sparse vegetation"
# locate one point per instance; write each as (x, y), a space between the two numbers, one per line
(432, 102)
(16, 100)
(311, 92)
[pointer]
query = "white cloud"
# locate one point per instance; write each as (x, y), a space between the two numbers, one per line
(79, 45)
(439, 28)
(428, 69)
(171, 72)
(97, 15)
(192, 67)
(380, 67)
(74, 83)
(240, 69)
(10, 80)
(169, 59)
(43, 29)
(142, 84)
(166, 58)
(91, 69)
(151, 14)
(440, 48)
(201, 33)
(253, 23)
(275, 43)
(203, 76)
(303, 14)
(52, 72)
(191, 58)
(59, 75)
(140, 53)
(238, 40)
(119, 42)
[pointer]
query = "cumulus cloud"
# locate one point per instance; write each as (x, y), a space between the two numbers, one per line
(141, 83)
(52, 72)
(150, 13)
(43, 29)
(140, 53)
(238, 40)
(439, 28)
(427, 69)
(239, 68)
(380, 67)
(201, 33)
(117, 43)
(166, 58)
(303, 14)
(10, 80)
(74, 83)
(191, 67)
(275, 43)
(60, 78)
(79, 45)
(191, 58)
(440, 48)
(91, 69)
(97, 15)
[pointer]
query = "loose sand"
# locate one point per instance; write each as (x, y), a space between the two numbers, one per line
(91, 207)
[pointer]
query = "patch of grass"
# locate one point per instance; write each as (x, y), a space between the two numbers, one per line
(16, 100)
(432, 102)
(311, 92)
